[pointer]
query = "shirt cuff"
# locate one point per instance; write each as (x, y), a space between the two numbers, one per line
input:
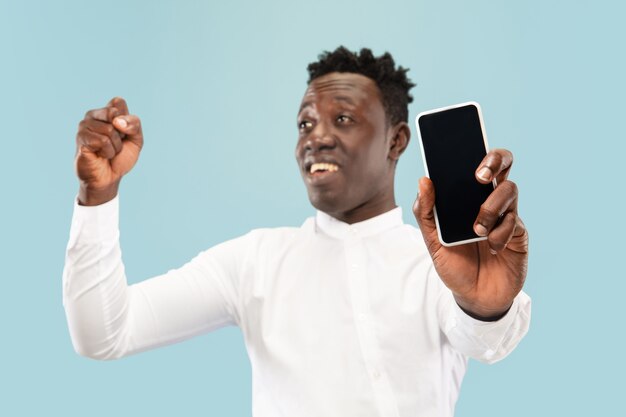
(520, 302)
(95, 223)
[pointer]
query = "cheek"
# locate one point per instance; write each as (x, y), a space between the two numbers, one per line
(377, 153)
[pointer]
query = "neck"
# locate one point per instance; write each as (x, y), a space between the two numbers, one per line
(366, 210)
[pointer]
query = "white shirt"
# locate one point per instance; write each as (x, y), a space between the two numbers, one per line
(338, 320)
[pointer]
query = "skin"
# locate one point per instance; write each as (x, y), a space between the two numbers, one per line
(108, 144)
(484, 276)
(342, 121)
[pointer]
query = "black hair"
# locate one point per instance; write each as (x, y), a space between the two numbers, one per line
(392, 83)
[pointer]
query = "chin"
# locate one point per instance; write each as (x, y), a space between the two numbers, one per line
(329, 204)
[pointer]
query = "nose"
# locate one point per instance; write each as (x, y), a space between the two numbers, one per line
(320, 138)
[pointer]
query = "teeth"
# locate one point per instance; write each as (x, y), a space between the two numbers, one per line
(323, 167)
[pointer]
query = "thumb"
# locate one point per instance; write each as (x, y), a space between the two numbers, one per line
(423, 211)
(130, 126)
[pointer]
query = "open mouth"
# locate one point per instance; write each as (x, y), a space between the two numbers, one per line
(319, 168)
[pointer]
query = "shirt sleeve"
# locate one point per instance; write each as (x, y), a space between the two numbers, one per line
(486, 342)
(109, 319)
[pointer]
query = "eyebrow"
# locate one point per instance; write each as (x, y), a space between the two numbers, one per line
(344, 99)
(304, 105)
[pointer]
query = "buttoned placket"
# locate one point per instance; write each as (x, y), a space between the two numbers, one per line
(356, 260)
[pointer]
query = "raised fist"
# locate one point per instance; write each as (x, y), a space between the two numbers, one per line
(108, 143)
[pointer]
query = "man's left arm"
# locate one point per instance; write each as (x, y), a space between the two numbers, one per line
(485, 277)
(485, 341)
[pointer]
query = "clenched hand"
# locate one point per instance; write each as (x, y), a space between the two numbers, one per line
(108, 143)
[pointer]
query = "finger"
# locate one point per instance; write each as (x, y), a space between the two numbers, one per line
(120, 104)
(116, 141)
(96, 143)
(502, 200)
(103, 128)
(424, 214)
(130, 125)
(98, 126)
(105, 114)
(519, 241)
(502, 234)
(520, 228)
(496, 164)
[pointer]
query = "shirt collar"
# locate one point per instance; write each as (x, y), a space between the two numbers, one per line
(338, 229)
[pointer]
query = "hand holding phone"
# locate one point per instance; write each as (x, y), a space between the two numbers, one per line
(485, 275)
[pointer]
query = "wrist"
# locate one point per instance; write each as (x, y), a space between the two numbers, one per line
(88, 196)
(481, 313)
(486, 318)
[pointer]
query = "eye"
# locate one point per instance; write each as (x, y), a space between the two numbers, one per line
(305, 125)
(343, 119)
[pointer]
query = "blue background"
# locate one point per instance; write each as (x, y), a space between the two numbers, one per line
(217, 85)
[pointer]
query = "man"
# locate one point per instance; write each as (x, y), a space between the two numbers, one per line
(353, 313)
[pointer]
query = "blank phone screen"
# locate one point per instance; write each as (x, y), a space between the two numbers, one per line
(453, 148)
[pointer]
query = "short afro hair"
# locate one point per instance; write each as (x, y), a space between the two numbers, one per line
(392, 83)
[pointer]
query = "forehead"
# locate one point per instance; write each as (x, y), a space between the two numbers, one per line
(351, 88)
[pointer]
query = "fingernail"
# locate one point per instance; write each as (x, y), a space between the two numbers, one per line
(484, 174)
(121, 123)
(480, 230)
(493, 252)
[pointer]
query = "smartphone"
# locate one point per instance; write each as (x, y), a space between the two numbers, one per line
(453, 143)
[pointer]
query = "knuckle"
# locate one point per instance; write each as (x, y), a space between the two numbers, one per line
(94, 142)
(493, 156)
(84, 137)
(488, 212)
(512, 217)
(509, 187)
(108, 129)
(496, 243)
(105, 141)
(135, 120)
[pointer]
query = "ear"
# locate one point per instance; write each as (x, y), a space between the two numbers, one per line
(400, 135)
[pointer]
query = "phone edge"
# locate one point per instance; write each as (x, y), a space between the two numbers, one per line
(419, 136)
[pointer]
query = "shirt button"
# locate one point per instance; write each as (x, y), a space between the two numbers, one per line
(376, 374)
(362, 317)
(355, 266)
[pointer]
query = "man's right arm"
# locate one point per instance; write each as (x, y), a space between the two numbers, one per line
(108, 318)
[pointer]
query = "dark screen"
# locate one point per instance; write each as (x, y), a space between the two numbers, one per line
(453, 147)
